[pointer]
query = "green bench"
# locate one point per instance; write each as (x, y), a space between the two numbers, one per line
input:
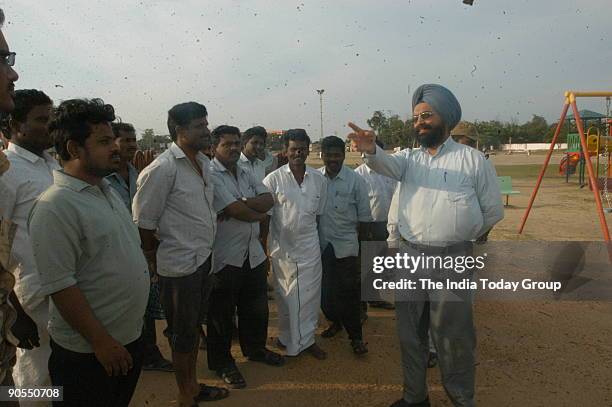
(505, 187)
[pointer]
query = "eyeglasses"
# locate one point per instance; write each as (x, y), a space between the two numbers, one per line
(7, 58)
(423, 116)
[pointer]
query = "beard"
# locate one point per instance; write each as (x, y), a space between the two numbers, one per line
(434, 138)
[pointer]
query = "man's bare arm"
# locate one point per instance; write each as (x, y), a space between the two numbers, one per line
(240, 211)
(74, 308)
(262, 203)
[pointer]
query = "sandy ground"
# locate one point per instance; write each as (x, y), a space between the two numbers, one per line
(529, 353)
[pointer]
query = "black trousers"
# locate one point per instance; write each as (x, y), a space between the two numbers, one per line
(378, 231)
(85, 381)
(341, 291)
(243, 290)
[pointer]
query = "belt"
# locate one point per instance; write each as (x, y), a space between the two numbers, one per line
(460, 247)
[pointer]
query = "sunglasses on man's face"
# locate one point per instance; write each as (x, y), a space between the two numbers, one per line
(423, 116)
(7, 58)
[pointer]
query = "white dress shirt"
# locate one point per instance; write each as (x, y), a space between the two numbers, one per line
(235, 239)
(27, 178)
(257, 167)
(449, 197)
(293, 224)
(175, 200)
(380, 191)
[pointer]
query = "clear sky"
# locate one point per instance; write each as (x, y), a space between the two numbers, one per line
(260, 62)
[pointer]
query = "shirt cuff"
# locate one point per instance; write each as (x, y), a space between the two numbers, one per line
(59, 285)
(146, 224)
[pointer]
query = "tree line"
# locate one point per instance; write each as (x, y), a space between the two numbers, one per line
(396, 132)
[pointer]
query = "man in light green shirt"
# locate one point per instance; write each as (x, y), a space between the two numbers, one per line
(87, 252)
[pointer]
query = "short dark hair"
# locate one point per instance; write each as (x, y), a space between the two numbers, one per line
(26, 100)
(379, 143)
(182, 114)
(73, 120)
(221, 130)
(295, 135)
(330, 142)
(120, 126)
(252, 132)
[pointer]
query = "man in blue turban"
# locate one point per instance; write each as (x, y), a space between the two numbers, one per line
(448, 198)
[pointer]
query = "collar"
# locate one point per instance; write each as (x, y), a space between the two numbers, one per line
(246, 160)
(61, 179)
(178, 153)
(342, 174)
(287, 169)
(448, 144)
(132, 171)
(28, 155)
(218, 165)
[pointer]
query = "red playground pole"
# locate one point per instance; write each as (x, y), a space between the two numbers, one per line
(545, 166)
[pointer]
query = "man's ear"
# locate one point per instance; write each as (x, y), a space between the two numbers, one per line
(180, 132)
(73, 149)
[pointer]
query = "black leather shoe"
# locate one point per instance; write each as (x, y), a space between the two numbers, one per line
(404, 403)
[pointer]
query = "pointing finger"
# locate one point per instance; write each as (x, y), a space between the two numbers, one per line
(355, 128)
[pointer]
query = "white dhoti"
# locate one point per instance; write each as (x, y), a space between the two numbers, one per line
(32, 366)
(298, 295)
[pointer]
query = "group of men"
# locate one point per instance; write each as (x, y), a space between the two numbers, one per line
(101, 251)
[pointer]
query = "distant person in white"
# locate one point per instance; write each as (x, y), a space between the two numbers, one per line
(380, 191)
(30, 174)
(299, 198)
(448, 198)
(253, 150)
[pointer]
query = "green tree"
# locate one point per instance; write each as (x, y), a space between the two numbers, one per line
(147, 140)
(391, 129)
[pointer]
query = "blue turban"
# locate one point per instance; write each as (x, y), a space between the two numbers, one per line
(441, 100)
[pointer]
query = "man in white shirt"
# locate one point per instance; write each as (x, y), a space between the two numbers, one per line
(299, 198)
(174, 201)
(253, 147)
(448, 198)
(239, 262)
(21, 331)
(380, 191)
(31, 173)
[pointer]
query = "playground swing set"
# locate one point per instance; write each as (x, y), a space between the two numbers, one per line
(581, 148)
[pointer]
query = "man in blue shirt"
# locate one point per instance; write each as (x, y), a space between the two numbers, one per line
(345, 219)
(124, 183)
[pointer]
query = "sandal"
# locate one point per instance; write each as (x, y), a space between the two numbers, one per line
(432, 360)
(211, 393)
(268, 357)
(232, 377)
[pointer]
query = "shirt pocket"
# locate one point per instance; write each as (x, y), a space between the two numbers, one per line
(465, 215)
(311, 204)
(342, 201)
